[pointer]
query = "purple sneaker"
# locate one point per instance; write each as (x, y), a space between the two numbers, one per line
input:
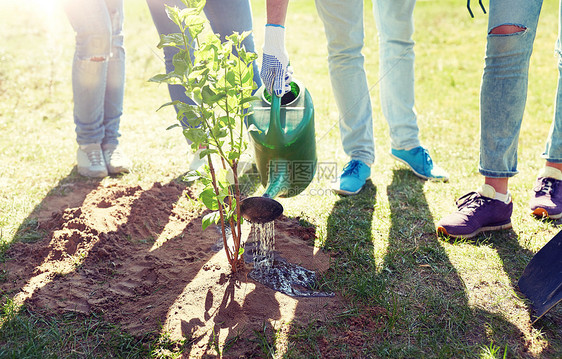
(547, 201)
(477, 212)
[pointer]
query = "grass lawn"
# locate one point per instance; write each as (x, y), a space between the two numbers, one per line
(407, 293)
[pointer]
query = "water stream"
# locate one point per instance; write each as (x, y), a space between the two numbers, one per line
(273, 271)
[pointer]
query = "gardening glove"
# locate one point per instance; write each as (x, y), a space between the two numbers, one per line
(276, 73)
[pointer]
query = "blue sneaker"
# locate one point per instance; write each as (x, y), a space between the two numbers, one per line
(353, 177)
(420, 163)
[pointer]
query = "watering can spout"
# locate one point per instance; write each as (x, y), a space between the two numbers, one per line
(278, 182)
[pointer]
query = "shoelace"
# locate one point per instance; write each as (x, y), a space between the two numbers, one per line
(114, 155)
(352, 168)
(547, 186)
(95, 157)
(471, 201)
(427, 158)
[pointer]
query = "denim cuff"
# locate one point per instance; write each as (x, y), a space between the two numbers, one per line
(496, 174)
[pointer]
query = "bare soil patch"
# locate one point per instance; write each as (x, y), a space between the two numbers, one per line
(139, 257)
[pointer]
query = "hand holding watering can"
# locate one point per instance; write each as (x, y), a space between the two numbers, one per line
(276, 71)
(283, 137)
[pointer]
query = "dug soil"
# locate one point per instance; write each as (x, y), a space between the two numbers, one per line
(139, 257)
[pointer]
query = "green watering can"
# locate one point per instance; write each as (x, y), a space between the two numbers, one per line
(285, 149)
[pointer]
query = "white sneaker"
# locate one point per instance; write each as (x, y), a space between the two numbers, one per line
(90, 161)
(117, 162)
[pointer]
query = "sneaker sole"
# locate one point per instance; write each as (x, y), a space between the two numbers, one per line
(348, 193)
(95, 174)
(344, 192)
(543, 213)
(441, 231)
(118, 170)
(435, 179)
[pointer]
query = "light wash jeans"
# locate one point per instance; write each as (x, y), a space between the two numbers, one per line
(225, 17)
(343, 24)
(98, 69)
(504, 89)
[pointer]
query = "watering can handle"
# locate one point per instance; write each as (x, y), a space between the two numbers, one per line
(274, 135)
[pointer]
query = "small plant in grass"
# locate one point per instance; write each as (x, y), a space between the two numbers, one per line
(492, 351)
(221, 84)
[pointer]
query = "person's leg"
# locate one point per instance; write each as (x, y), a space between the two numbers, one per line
(546, 200)
(228, 16)
(92, 25)
(343, 24)
(225, 17)
(511, 32)
(115, 158)
(115, 78)
(395, 24)
(166, 26)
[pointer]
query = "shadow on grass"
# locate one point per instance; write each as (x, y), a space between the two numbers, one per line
(416, 301)
(433, 297)
(514, 259)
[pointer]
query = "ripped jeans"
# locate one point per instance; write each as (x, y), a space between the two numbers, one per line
(98, 69)
(504, 88)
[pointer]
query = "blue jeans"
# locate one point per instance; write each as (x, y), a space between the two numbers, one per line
(225, 17)
(98, 69)
(343, 24)
(504, 89)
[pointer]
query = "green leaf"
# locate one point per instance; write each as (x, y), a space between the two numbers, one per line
(234, 37)
(171, 40)
(195, 23)
(172, 126)
(189, 113)
(233, 155)
(219, 132)
(231, 78)
(247, 76)
(165, 105)
(198, 72)
(181, 62)
(191, 176)
(244, 35)
(209, 199)
(208, 95)
(195, 134)
(208, 151)
(162, 78)
(196, 96)
(197, 5)
(242, 54)
(189, 10)
(241, 251)
(249, 99)
(173, 14)
(210, 218)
